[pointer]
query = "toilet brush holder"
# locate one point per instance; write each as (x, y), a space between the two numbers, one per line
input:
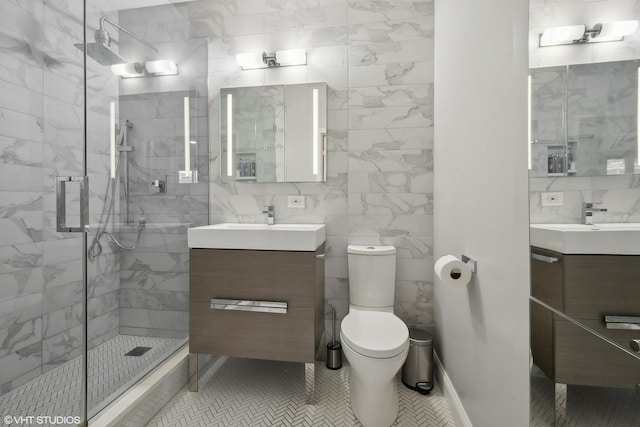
(334, 355)
(334, 349)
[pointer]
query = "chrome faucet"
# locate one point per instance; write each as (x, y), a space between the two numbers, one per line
(270, 212)
(587, 212)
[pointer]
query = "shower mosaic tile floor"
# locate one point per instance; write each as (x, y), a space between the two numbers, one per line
(57, 392)
(586, 406)
(246, 392)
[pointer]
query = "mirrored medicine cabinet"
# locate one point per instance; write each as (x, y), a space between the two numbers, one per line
(274, 133)
(584, 119)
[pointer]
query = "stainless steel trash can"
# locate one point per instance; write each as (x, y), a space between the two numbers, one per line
(417, 371)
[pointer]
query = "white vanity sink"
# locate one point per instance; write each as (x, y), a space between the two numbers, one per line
(612, 238)
(276, 237)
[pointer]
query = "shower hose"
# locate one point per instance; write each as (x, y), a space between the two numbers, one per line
(95, 249)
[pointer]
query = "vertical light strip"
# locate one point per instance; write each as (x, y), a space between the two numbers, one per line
(112, 139)
(529, 120)
(315, 131)
(229, 134)
(187, 136)
(638, 123)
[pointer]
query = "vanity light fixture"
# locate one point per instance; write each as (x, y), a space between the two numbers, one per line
(315, 129)
(131, 69)
(229, 134)
(187, 136)
(281, 58)
(163, 67)
(529, 120)
(580, 34)
(112, 139)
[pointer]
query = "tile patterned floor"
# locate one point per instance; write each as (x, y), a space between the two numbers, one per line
(57, 392)
(586, 406)
(246, 392)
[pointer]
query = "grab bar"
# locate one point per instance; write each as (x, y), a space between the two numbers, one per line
(622, 322)
(249, 305)
(544, 258)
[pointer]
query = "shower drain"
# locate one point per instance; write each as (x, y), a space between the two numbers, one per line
(138, 351)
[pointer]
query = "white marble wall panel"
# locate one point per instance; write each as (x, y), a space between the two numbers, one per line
(620, 195)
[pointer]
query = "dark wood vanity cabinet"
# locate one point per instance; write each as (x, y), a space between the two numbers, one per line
(586, 288)
(295, 278)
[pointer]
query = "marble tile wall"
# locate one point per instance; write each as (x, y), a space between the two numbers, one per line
(154, 277)
(377, 59)
(41, 136)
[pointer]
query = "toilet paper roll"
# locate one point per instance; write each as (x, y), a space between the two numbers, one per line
(452, 271)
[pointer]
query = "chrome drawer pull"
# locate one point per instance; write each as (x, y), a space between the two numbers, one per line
(249, 305)
(320, 256)
(622, 322)
(543, 258)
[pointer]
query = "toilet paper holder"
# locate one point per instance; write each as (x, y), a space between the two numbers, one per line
(471, 263)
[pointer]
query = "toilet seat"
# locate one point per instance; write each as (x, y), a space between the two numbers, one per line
(375, 334)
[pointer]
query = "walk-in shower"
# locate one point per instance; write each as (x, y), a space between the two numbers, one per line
(86, 310)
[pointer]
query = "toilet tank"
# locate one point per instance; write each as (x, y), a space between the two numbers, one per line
(372, 275)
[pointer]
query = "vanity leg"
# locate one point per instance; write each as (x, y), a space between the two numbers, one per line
(310, 383)
(560, 407)
(193, 372)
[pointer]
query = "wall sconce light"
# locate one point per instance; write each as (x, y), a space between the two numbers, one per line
(164, 67)
(132, 69)
(579, 34)
(281, 58)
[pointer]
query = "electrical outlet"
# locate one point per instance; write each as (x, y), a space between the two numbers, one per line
(552, 199)
(295, 201)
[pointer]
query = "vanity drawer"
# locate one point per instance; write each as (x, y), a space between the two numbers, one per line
(547, 276)
(273, 336)
(253, 275)
(601, 285)
(583, 359)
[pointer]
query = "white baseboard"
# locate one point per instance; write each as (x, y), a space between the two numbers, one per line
(459, 414)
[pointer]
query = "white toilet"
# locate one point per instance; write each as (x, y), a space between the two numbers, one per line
(374, 340)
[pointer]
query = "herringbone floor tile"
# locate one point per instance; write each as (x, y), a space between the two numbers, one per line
(586, 406)
(256, 393)
(58, 391)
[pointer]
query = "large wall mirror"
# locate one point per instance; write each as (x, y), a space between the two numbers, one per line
(584, 119)
(584, 193)
(274, 133)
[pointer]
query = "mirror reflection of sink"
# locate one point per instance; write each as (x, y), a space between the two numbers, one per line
(276, 237)
(607, 238)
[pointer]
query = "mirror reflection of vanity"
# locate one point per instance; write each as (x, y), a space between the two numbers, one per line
(583, 142)
(274, 133)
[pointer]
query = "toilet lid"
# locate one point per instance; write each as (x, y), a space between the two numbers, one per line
(375, 334)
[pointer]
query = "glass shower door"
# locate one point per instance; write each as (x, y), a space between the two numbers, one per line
(42, 274)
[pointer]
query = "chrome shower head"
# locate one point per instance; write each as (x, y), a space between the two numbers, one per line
(101, 50)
